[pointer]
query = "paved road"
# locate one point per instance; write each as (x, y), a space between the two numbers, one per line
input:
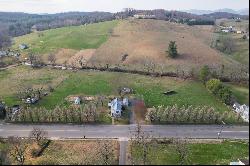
(125, 131)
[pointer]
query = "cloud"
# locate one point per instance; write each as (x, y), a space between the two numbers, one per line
(54, 6)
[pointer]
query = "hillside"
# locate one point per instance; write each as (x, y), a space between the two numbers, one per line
(146, 42)
(74, 37)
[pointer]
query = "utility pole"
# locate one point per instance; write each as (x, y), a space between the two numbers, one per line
(219, 133)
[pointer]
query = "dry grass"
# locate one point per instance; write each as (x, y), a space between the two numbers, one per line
(69, 152)
(83, 55)
(147, 41)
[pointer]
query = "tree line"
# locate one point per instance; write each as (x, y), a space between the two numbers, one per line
(189, 115)
(73, 114)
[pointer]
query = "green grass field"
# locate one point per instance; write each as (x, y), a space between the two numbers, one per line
(241, 93)
(148, 88)
(198, 154)
(105, 83)
(73, 37)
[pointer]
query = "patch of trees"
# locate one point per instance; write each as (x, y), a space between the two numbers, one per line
(224, 44)
(35, 60)
(21, 23)
(201, 22)
(189, 115)
(82, 114)
(219, 15)
(18, 147)
(5, 39)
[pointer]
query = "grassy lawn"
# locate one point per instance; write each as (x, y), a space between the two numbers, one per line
(70, 153)
(105, 83)
(241, 93)
(151, 89)
(199, 153)
(73, 37)
(13, 80)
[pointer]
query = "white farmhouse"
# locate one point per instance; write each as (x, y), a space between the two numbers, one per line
(116, 106)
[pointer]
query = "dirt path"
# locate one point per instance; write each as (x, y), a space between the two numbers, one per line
(132, 118)
(123, 151)
(138, 112)
(9, 67)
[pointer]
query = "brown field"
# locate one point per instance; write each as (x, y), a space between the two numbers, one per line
(83, 55)
(82, 152)
(147, 41)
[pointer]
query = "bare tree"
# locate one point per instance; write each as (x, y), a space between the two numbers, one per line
(18, 149)
(52, 58)
(225, 44)
(5, 39)
(106, 152)
(35, 60)
(4, 159)
(181, 149)
(140, 140)
(39, 135)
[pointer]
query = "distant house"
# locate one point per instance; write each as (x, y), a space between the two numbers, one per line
(243, 110)
(227, 29)
(34, 28)
(144, 16)
(116, 106)
(23, 46)
(239, 32)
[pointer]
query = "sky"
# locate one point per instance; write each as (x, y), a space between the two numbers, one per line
(56, 6)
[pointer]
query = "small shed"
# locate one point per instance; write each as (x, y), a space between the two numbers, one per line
(225, 30)
(77, 101)
(125, 90)
(23, 46)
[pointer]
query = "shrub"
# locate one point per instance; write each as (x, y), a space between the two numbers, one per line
(204, 73)
(35, 152)
(217, 88)
(214, 85)
(225, 95)
(244, 37)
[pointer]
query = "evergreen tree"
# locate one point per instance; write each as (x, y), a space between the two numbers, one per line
(172, 49)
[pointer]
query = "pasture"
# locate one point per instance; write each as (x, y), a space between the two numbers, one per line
(73, 37)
